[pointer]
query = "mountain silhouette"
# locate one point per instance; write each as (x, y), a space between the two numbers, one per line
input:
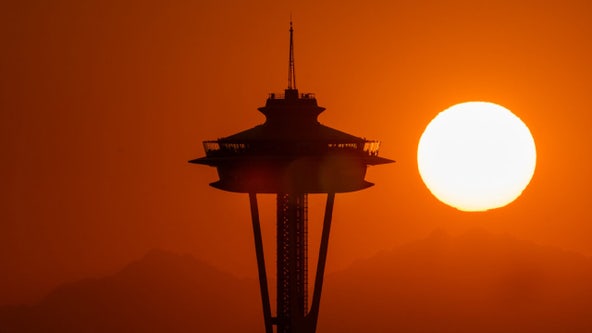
(475, 282)
(162, 292)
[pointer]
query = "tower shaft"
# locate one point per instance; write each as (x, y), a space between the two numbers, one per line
(292, 261)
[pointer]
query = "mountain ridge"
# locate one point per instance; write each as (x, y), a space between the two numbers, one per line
(162, 292)
(476, 281)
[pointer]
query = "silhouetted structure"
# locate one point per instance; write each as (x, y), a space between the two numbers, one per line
(291, 155)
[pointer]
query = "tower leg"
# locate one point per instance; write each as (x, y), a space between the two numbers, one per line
(261, 263)
(313, 315)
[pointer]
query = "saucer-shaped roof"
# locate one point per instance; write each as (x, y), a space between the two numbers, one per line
(292, 117)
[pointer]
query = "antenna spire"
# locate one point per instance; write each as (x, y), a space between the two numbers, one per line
(291, 71)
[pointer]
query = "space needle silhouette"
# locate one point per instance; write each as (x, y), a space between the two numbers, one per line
(291, 155)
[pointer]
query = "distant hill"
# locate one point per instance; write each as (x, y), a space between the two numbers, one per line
(162, 292)
(476, 282)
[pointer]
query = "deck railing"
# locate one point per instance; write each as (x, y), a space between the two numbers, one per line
(216, 148)
(283, 96)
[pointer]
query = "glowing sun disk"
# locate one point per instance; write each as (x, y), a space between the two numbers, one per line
(476, 156)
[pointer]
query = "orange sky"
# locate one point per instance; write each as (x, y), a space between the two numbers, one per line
(103, 102)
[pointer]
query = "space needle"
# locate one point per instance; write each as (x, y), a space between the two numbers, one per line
(291, 155)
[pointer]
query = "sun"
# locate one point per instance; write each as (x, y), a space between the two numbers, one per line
(476, 156)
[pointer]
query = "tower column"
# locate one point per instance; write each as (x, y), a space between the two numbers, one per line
(292, 257)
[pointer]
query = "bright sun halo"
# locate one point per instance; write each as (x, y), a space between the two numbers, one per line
(476, 156)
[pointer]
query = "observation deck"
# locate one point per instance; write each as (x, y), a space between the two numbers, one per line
(238, 149)
(291, 152)
(291, 94)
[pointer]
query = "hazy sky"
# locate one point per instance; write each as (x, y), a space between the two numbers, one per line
(103, 102)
